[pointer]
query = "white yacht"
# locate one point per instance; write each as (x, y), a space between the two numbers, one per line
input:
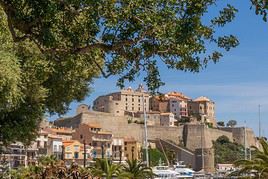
(183, 171)
(163, 172)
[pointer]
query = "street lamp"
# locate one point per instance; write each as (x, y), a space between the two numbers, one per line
(84, 153)
(120, 155)
(132, 152)
(102, 151)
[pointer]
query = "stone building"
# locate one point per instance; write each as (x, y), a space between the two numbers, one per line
(203, 108)
(174, 102)
(159, 103)
(167, 119)
(153, 117)
(125, 100)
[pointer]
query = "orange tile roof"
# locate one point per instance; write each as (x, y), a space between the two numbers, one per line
(177, 95)
(69, 142)
(202, 99)
(162, 98)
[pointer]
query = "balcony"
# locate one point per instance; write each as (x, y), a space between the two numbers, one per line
(101, 139)
(42, 151)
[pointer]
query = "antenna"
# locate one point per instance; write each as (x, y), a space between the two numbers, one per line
(259, 121)
(245, 140)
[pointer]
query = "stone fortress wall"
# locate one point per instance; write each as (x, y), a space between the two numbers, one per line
(189, 134)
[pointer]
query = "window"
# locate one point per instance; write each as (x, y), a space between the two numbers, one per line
(132, 108)
(38, 143)
(126, 107)
(139, 108)
(68, 148)
(76, 147)
(132, 99)
(81, 136)
(172, 105)
(68, 155)
(125, 148)
(126, 99)
(175, 109)
(55, 148)
(117, 111)
(139, 100)
(116, 103)
(76, 155)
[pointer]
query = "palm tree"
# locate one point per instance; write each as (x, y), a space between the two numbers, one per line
(105, 169)
(258, 165)
(135, 169)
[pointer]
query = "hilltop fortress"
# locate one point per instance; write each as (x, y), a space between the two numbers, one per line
(174, 120)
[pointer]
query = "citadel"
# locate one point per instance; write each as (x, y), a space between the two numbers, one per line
(175, 122)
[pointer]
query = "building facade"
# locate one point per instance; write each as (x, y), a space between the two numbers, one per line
(126, 100)
(174, 102)
(167, 119)
(118, 149)
(74, 151)
(55, 146)
(92, 135)
(132, 149)
(204, 109)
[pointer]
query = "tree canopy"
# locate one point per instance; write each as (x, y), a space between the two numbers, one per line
(53, 50)
(227, 151)
(231, 123)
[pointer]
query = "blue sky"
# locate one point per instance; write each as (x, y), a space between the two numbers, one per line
(237, 84)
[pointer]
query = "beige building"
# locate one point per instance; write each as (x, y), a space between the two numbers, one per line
(125, 100)
(74, 151)
(132, 149)
(203, 108)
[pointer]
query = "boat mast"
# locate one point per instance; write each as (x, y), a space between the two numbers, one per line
(145, 131)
